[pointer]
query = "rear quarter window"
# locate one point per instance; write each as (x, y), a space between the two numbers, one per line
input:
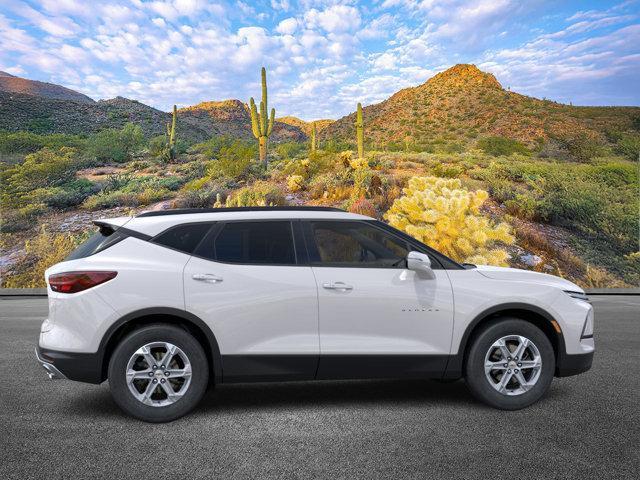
(184, 238)
(96, 243)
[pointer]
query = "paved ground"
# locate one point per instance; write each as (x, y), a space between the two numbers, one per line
(586, 427)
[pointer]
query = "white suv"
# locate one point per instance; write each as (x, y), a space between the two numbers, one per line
(164, 303)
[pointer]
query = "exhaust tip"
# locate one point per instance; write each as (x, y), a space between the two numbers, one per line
(52, 372)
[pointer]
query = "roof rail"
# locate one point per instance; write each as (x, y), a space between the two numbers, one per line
(182, 211)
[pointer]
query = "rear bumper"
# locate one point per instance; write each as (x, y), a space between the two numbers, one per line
(81, 367)
(52, 371)
(568, 365)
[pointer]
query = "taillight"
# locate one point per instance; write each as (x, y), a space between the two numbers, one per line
(73, 282)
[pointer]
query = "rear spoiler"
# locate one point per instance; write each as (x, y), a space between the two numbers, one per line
(107, 227)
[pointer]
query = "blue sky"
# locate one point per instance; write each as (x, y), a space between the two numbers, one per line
(322, 56)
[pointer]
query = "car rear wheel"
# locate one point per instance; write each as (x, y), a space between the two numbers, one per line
(510, 364)
(158, 373)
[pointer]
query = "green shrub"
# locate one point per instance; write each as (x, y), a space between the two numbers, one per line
(28, 142)
(203, 198)
(447, 170)
(69, 195)
(582, 146)
(259, 194)
(116, 145)
(109, 200)
(170, 183)
(120, 198)
(523, 206)
(40, 125)
(289, 150)
(498, 146)
(233, 160)
(16, 220)
(211, 148)
(599, 201)
(629, 146)
(157, 145)
(42, 169)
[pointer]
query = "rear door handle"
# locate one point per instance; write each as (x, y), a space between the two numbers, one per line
(206, 277)
(337, 286)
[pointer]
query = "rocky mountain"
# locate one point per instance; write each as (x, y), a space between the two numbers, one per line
(19, 111)
(305, 126)
(56, 109)
(464, 103)
(232, 117)
(16, 85)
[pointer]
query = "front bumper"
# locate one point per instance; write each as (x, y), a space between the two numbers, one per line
(81, 367)
(568, 365)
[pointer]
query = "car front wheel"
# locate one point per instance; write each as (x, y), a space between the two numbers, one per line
(510, 364)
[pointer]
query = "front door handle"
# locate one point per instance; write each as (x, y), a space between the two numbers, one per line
(343, 287)
(206, 277)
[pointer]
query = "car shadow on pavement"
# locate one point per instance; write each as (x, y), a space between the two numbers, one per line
(343, 392)
(226, 398)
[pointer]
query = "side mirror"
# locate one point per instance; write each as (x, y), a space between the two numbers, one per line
(420, 263)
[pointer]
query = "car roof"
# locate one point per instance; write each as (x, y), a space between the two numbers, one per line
(153, 223)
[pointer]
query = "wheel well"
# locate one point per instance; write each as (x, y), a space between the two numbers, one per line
(537, 319)
(135, 323)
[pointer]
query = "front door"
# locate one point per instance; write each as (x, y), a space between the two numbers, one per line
(377, 319)
(259, 302)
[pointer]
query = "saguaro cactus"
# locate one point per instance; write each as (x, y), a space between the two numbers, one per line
(360, 132)
(260, 124)
(171, 136)
(314, 141)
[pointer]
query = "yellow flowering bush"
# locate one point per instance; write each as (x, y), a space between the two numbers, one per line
(358, 163)
(260, 194)
(43, 250)
(295, 183)
(442, 214)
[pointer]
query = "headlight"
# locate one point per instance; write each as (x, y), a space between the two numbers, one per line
(587, 330)
(577, 295)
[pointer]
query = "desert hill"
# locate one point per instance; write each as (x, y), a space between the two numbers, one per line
(20, 111)
(232, 118)
(303, 125)
(16, 85)
(464, 103)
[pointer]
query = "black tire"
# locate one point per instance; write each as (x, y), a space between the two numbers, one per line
(474, 372)
(158, 333)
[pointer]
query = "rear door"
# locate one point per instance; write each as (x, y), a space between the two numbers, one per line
(377, 318)
(247, 283)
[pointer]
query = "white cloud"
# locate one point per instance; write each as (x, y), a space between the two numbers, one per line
(56, 26)
(339, 51)
(280, 5)
(335, 19)
(73, 55)
(15, 70)
(386, 61)
(287, 26)
(378, 27)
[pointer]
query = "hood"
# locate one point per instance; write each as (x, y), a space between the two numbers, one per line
(527, 276)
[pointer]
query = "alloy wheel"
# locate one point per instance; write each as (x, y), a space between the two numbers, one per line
(513, 365)
(158, 374)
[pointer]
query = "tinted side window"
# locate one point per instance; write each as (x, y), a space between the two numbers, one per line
(355, 244)
(268, 243)
(183, 237)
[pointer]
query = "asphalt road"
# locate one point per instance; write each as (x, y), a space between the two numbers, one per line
(586, 427)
